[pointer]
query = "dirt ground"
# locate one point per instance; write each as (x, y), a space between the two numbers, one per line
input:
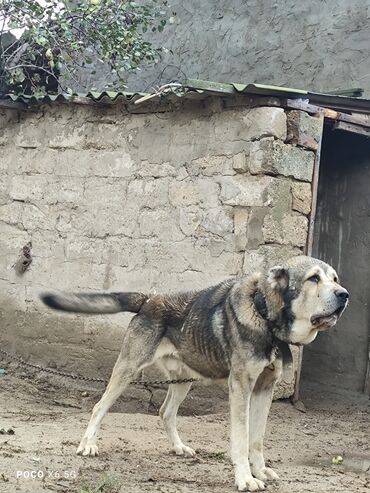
(42, 420)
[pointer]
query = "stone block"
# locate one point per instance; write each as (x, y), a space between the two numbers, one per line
(4, 137)
(183, 194)
(4, 189)
(100, 222)
(225, 263)
(82, 249)
(12, 214)
(47, 188)
(276, 158)
(101, 191)
(302, 197)
(46, 244)
(217, 221)
(265, 122)
(130, 253)
(190, 219)
(211, 165)
(173, 258)
(36, 161)
(154, 170)
(291, 230)
(215, 245)
(161, 224)
(281, 199)
(267, 256)
(66, 137)
(148, 193)
(241, 216)
(28, 188)
(28, 136)
(9, 293)
(149, 279)
(201, 191)
(256, 219)
(257, 154)
(114, 163)
(254, 261)
(63, 274)
(247, 191)
(100, 136)
(72, 162)
(12, 239)
(9, 122)
(36, 217)
(240, 162)
(304, 130)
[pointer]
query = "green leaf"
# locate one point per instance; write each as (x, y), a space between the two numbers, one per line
(13, 25)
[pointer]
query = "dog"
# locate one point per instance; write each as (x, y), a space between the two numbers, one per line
(237, 330)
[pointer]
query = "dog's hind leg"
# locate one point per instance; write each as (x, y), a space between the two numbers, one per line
(123, 372)
(259, 409)
(137, 352)
(168, 412)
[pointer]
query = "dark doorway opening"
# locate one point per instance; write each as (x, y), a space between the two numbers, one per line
(339, 358)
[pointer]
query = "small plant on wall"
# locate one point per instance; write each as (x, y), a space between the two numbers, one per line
(46, 45)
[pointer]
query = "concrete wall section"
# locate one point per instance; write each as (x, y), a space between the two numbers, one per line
(315, 45)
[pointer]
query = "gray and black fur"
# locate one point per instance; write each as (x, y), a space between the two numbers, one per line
(238, 330)
(197, 324)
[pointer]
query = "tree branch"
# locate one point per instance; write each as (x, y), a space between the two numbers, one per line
(17, 55)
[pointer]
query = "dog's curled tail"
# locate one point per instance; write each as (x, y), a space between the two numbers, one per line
(95, 302)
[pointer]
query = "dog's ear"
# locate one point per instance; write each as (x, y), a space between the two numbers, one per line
(278, 278)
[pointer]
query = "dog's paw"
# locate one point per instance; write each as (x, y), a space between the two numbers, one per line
(183, 450)
(264, 473)
(87, 449)
(249, 483)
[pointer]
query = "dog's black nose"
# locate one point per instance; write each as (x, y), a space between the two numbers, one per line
(342, 294)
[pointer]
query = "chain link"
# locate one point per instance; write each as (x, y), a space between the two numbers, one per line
(145, 383)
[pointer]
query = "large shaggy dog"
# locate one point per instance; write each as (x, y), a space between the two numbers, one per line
(237, 330)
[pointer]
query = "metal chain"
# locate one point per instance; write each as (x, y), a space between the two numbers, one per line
(145, 383)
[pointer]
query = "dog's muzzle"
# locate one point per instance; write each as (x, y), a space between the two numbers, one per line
(327, 320)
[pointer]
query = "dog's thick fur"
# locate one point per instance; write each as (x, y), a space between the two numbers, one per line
(234, 330)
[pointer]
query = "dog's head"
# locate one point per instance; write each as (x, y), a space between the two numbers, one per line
(303, 297)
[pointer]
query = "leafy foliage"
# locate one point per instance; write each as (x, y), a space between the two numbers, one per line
(68, 38)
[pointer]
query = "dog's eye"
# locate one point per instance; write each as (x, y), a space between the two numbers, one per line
(315, 278)
(336, 279)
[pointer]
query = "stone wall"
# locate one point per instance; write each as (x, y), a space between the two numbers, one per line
(153, 202)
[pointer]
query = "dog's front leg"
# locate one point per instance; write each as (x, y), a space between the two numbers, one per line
(240, 389)
(259, 409)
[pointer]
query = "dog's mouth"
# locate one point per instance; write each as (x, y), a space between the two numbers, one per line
(327, 320)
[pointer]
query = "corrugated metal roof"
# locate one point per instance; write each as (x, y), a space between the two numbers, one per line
(235, 88)
(98, 97)
(339, 102)
(105, 97)
(192, 88)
